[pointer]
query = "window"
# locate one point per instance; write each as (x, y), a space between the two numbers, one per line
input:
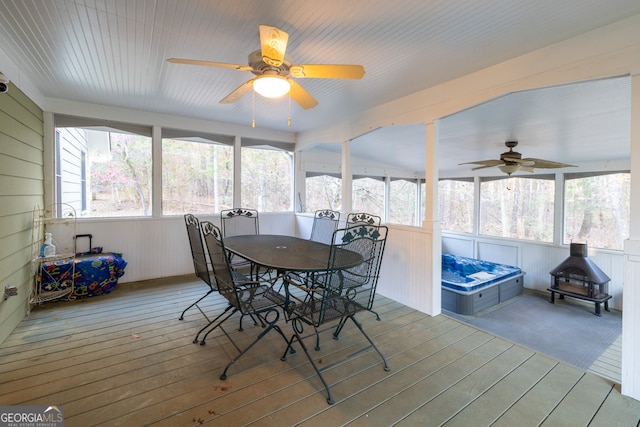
(322, 192)
(518, 207)
(402, 201)
(597, 209)
(114, 179)
(368, 195)
(197, 173)
(266, 179)
(456, 204)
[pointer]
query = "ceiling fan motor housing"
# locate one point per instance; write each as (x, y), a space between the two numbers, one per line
(509, 155)
(259, 67)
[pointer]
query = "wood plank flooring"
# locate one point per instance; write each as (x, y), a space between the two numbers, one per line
(609, 364)
(124, 359)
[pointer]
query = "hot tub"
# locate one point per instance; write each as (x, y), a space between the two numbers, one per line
(471, 285)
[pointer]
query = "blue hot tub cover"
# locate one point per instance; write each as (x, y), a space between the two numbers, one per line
(468, 274)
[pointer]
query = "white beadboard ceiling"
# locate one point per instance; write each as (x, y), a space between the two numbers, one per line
(114, 52)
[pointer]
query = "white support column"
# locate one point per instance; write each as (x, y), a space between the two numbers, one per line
(418, 209)
(557, 214)
(156, 171)
(431, 221)
(387, 198)
(237, 171)
(476, 212)
(431, 175)
(347, 179)
(631, 290)
(300, 182)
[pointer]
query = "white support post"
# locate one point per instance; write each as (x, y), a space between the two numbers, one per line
(347, 179)
(631, 302)
(418, 209)
(387, 198)
(431, 221)
(156, 171)
(237, 172)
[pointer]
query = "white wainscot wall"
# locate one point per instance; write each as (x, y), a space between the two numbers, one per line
(155, 248)
(406, 274)
(535, 259)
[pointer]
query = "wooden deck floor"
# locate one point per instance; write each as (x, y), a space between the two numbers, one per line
(125, 359)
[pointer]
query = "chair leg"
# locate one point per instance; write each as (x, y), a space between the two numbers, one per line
(376, 313)
(196, 304)
(225, 312)
(272, 326)
(384, 361)
(255, 323)
(336, 333)
(297, 330)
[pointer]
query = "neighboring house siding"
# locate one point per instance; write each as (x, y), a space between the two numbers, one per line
(21, 188)
(73, 142)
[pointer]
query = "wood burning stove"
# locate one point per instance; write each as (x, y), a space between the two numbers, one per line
(579, 277)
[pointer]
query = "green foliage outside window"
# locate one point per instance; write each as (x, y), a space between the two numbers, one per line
(368, 196)
(120, 182)
(266, 179)
(197, 177)
(322, 192)
(597, 210)
(456, 205)
(519, 208)
(402, 202)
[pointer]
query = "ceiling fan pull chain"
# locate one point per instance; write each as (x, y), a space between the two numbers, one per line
(289, 118)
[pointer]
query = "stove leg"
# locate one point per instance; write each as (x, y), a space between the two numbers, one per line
(552, 300)
(598, 313)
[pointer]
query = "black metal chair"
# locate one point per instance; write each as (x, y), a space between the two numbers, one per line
(200, 264)
(325, 222)
(249, 297)
(366, 219)
(347, 288)
(239, 221)
(363, 218)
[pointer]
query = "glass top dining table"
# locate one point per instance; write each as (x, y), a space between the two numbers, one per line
(288, 253)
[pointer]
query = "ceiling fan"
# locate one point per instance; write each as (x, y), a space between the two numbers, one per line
(274, 70)
(512, 161)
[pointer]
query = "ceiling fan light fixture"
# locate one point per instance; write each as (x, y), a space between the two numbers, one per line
(271, 86)
(509, 169)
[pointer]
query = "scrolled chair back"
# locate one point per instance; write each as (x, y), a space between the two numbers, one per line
(357, 283)
(363, 218)
(325, 222)
(239, 221)
(219, 261)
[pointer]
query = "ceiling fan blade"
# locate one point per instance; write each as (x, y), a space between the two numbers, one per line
(301, 96)
(521, 162)
(484, 163)
(209, 64)
(487, 166)
(273, 43)
(327, 71)
(548, 164)
(238, 92)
